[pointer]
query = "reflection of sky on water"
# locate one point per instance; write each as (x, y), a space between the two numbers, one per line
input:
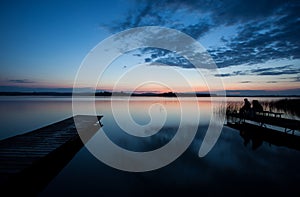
(228, 167)
(140, 113)
(23, 115)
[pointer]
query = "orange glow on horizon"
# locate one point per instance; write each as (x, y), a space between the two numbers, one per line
(156, 88)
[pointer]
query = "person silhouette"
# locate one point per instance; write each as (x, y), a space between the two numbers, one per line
(256, 106)
(246, 107)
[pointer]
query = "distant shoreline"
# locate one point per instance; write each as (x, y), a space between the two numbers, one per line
(109, 94)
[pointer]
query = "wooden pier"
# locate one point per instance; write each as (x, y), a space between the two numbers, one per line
(29, 161)
(265, 119)
(259, 127)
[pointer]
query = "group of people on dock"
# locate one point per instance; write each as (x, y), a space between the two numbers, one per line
(246, 109)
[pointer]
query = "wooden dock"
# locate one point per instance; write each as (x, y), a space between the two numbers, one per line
(264, 120)
(259, 127)
(29, 161)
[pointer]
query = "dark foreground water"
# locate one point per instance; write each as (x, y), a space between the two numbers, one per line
(231, 167)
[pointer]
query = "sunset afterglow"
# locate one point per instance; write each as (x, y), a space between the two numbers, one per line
(42, 51)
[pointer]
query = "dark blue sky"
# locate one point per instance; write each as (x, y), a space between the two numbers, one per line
(255, 44)
(45, 41)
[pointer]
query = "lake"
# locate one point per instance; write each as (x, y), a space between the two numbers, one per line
(231, 167)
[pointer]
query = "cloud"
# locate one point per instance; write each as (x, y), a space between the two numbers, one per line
(171, 60)
(223, 75)
(207, 13)
(251, 46)
(258, 70)
(287, 72)
(284, 70)
(259, 42)
(287, 92)
(246, 82)
(267, 29)
(197, 30)
(16, 88)
(20, 81)
(280, 70)
(291, 79)
(165, 58)
(296, 79)
(234, 73)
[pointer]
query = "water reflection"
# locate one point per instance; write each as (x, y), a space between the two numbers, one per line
(229, 168)
(141, 114)
(22, 115)
(256, 136)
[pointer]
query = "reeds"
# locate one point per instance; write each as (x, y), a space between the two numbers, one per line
(290, 107)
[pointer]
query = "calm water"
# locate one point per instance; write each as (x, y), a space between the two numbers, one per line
(230, 167)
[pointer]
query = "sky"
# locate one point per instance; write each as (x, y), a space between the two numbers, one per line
(254, 44)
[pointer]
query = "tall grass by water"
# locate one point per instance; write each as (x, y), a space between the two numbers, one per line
(290, 107)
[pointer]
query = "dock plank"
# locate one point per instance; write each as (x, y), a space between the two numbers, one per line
(29, 161)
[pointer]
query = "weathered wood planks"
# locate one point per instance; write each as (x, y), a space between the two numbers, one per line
(29, 161)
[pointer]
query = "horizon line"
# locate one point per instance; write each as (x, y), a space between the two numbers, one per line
(146, 94)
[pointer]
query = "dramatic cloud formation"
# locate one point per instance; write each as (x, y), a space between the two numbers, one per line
(266, 30)
(258, 42)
